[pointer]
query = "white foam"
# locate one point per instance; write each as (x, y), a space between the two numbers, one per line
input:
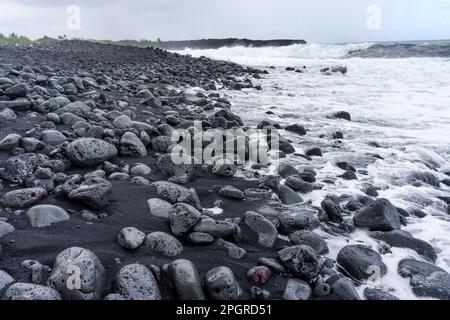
(278, 56)
(400, 104)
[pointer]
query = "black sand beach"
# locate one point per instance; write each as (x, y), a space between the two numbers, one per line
(78, 119)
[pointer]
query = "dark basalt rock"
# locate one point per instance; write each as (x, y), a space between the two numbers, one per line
(342, 115)
(378, 294)
(296, 128)
(299, 220)
(288, 196)
(308, 238)
(369, 189)
(378, 216)
(361, 262)
(426, 279)
(286, 170)
(342, 289)
(314, 152)
(302, 261)
(298, 184)
(403, 239)
(332, 210)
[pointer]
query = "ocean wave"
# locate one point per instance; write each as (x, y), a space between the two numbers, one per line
(297, 51)
(327, 51)
(403, 50)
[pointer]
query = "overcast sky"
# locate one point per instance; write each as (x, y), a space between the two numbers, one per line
(313, 20)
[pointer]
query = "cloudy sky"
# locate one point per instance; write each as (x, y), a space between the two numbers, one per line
(313, 20)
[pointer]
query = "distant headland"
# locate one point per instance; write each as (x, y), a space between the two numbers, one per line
(229, 42)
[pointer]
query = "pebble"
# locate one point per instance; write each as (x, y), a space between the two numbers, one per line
(184, 278)
(132, 146)
(182, 218)
(297, 289)
(131, 238)
(378, 295)
(92, 274)
(224, 168)
(159, 208)
(140, 169)
(231, 192)
(378, 216)
(259, 275)
(10, 142)
(53, 137)
(288, 196)
(309, 238)
(302, 261)
(267, 233)
(221, 284)
(426, 279)
(332, 210)
(298, 184)
(45, 215)
(233, 250)
(164, 244)
(5, 280)
(31, 292)
(174, 193)
(88, 152)
(136, 282)
(361, 262)
(94, 192)
(403, 239)
(217, 229)
(200, 238)
(23, 198)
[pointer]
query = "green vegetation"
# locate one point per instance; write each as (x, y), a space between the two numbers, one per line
(134, 43)
(13, 39)
(45, 40)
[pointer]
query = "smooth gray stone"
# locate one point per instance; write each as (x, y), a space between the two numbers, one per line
(131, 238)
(267, 233)
(360, 262)
(46, 215)
(159, 208)
(185, 280)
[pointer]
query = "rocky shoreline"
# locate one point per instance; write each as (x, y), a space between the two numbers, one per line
(92, 207)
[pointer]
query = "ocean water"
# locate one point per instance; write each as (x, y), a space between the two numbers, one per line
(399, 98)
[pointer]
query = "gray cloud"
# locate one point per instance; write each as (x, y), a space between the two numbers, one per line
(313, 20)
